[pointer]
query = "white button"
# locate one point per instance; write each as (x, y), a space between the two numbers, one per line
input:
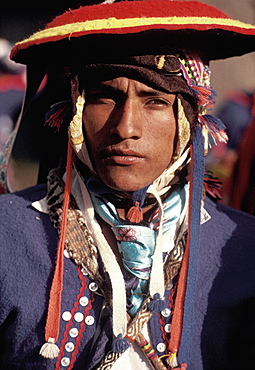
(85, 272)
(66, 253)
(65, 361)
(89, 320)
(93, 286)
(166, 312)
(78, 317)
(66, 316)
(161, 347)
(73, 332)
(84, 301)
(69, 346)
(168, 328)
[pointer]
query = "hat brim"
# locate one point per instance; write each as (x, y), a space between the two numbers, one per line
(89, 33)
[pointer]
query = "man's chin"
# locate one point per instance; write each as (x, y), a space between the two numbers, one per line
(124, 185)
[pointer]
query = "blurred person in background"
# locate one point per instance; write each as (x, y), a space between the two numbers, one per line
(241, 184)
(235, 112)
(12, 89)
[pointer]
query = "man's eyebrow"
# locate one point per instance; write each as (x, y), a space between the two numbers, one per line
(152, 91)
(101, 87)
(108, 88)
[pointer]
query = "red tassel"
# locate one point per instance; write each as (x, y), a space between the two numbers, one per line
(53, 316)
(205, 96)
(135, 214)
(56, 118)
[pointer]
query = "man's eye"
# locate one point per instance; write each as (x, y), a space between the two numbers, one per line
(158, 102)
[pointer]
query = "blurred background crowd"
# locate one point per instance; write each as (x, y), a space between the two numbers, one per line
(232, 163)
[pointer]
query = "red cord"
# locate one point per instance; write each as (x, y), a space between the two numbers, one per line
(53, 317)
(178, 311)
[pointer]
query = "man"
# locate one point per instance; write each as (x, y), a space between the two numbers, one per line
(108, 266)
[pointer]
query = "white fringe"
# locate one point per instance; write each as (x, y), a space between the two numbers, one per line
(49, 350)
(172, 360)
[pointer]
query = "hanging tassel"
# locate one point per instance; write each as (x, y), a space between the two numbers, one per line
(157, 304)
(49, 349)
(172, 360)
(173, 363)
(214, 126)
(120, 344)
(212, 185)
(135, 213)
(56, 114)
(205, 95)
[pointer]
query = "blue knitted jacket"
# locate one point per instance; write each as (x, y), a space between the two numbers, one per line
(221, 334)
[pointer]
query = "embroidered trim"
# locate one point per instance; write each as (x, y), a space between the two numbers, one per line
(79, 242)
(127, 26)
(78, 341)
(69, 324)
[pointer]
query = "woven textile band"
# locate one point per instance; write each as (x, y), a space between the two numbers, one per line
(130, 25)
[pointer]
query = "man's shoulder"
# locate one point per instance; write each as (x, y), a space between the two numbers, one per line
(22, 224)
(16, 208)
(227, 224)
(219, 209)
(27, 195)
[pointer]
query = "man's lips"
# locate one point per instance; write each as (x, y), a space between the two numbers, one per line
(124, 157)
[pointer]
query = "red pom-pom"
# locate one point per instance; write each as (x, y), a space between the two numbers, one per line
(135, 213)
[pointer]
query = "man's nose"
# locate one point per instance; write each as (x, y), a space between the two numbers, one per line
(127, 121)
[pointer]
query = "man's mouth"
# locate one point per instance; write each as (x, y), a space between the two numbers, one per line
(124, 157)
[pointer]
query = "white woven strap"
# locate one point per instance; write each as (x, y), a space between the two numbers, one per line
(110, 263)
(157, 274)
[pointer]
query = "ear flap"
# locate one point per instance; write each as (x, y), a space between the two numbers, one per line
(36, 147)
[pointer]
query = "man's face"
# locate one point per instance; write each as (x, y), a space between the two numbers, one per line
(130, 131)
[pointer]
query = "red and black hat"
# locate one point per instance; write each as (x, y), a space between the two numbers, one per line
(136, 28)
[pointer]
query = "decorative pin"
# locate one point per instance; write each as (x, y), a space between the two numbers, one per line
(160, 61)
